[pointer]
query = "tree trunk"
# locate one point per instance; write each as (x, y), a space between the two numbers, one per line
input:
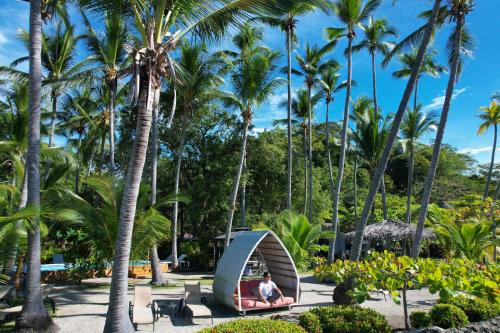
(289, 118)
(112, 127)
(77, 175)
(175, 262)
(309, 125)
(305, 170)
(431, 173)
(103, 152)
(405, 306)
(396, 123)
(415, 100)
(492, 164)
(236, 185)
(243, 207)
(52, 130)
(157, 277)
(34, 316)
(384, 200)
(117, 318)
(374, 82)
(329, 157)
(343, 147)
(409, 187)
(355, 190)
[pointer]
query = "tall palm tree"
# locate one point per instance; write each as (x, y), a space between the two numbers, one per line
(429, 67)
(311, 65)
(351, 13)
(155, 20)
(300, 116)
(459, 43)
(252, 84)
(199, 78)
(491, 117)
(425, 37)
(109, 54)
(415, 125)
(287, 22)
(34, 315)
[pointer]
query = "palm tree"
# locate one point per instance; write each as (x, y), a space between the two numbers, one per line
(429, 67)
(350, 13)
(199, 81)
(34, 316)
(490, 117)
(300, 113)
(425, 37)
(311, 65)
(459, 43)
(253, 84)
(287, 22)
(109, 54)
(415, 125)
(374, 34)
(154, 20)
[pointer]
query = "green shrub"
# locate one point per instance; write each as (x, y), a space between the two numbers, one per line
(344, 319)
(310, 322)
(255, 326)
(448, 316)
(476, 309)
(420, 319)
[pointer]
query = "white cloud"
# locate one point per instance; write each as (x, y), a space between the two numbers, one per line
(3, 39)
(475, 151)
(437, 102)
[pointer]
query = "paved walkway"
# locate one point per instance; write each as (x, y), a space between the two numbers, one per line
(84, 309)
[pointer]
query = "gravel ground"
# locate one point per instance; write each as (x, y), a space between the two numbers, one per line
(84, 309)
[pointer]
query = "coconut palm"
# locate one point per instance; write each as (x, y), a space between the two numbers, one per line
(108, 53)
(287, 22)
(460, 43)
(429, 67)
(199, 80)
(375, 31)
(155, 20)
(424, 38)
(415, 125)
(351, 13)
(491, 117)
(311, 65)
(253, 84)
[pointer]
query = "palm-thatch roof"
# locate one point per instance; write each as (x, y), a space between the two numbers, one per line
(391, 230)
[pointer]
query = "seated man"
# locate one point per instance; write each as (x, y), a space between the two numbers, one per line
(268, 291)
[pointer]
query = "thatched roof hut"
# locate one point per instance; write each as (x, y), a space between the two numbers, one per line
(391, 230)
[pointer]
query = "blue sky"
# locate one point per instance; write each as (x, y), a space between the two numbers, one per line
(480, 78)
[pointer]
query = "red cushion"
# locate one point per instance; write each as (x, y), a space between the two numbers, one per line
(247, 286)
(253, 302)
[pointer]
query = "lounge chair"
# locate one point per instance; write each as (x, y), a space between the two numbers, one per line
(194, 301)
(9, 314)
(143, 310)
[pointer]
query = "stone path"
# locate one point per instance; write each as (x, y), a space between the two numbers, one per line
(84, 309)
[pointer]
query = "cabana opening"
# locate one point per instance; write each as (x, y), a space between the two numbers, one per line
(235, 287)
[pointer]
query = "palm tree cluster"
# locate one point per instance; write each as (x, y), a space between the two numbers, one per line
(151, 70)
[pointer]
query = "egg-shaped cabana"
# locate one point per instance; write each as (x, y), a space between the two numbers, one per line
(240, 294)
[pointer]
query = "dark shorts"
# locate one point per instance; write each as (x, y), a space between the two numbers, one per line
(274, 296)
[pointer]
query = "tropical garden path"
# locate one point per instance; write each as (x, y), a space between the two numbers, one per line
(83, 309)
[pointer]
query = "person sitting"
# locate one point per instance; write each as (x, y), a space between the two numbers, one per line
(268, 291)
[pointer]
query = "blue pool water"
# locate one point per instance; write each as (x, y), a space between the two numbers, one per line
(61, 267)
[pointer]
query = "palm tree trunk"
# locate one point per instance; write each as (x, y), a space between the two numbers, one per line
(77, 175)
(237, 178)
(374, 82)
(289, 117)
(329, 157)
(157, 277)
(431, 173)
(34, 316)
(112, 127)
(355, 180)
(309, 125)
(409, 187)
(492, 164)
(384, 200)
(103, 152)
(305, 171)
(243, 207)
(53, 117)
(415, 96)
(117, 318)
(396, 123)
(175, 262)
(343, 147)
